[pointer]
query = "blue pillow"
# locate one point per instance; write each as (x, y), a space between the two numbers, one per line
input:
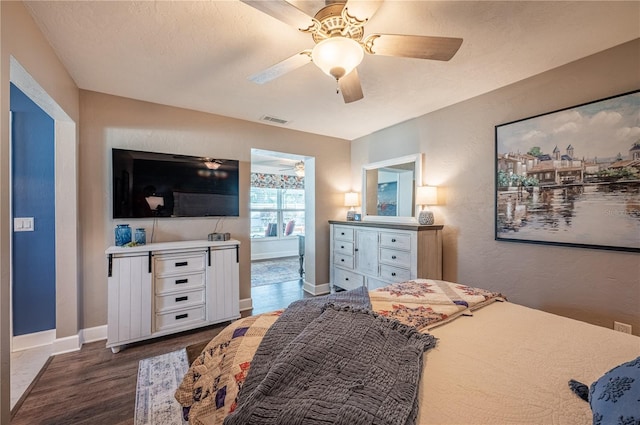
(615, 397)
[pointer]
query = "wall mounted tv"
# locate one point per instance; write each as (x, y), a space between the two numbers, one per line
(149, 184)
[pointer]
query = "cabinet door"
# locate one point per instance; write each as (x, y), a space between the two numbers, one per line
(367, 252)
(129, 300)
(223, 288)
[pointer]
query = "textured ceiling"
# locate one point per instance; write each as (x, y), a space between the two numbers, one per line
(198, 55)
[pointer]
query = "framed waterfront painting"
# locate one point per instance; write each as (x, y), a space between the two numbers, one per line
(571, 177)
(388, 198)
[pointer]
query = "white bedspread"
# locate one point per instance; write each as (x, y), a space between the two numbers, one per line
(510, 364)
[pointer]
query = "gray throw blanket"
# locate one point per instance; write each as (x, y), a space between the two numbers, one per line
(330, 360)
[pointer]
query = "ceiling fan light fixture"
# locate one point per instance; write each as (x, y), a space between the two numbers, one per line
(212, 165)
(337, 56)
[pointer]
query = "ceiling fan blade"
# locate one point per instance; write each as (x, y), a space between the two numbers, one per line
(281, 68)
(283, 11)
(362, 11)
(350, 87)
(412, 46)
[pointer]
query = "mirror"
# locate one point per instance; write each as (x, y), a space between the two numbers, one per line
(389, 189)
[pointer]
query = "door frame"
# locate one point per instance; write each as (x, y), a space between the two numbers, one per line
(67, 336)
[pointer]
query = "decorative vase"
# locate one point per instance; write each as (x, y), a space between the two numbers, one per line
(425, 217)
(123, 234)
(140, 236)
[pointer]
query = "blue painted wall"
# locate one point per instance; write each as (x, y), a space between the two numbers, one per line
(33, 185)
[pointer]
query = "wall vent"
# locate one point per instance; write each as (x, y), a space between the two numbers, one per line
(269, 118)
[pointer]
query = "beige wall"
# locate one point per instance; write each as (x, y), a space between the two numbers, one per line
(109, 121)
(21, 39)
(458, 144)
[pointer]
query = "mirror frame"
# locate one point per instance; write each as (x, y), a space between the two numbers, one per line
(417, 160)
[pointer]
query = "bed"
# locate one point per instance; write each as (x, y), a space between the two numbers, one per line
(461, 355)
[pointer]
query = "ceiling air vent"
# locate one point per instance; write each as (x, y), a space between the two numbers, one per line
(269, 118)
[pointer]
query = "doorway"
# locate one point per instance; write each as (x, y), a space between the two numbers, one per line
(62, 317)
(279, 220)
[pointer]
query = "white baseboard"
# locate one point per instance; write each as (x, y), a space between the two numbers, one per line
(274, 255)
(33, 340)
(246, 304)
(66, 344)
(93, 334)
(314, 290)
(59, 345)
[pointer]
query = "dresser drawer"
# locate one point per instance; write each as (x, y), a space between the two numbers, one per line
(343, 233)
(347, 280)
(180, 318)
(395, 240)
(395, 258)
(343, 261)
(179, 300)
(394, 274)
(179, 263)
(343, 248)
(180, 282)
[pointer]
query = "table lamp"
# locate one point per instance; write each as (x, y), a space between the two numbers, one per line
(351, 200)
(425, 196)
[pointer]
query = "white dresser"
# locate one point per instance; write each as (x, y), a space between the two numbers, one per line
(377, 254)
(162, 288)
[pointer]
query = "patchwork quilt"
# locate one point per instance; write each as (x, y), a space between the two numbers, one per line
(209, 391)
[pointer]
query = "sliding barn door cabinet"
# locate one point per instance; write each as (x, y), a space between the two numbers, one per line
(163, 288)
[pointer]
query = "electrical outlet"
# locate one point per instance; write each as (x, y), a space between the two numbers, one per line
(622, 327)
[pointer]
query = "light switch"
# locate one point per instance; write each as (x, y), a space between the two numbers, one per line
(23, 224)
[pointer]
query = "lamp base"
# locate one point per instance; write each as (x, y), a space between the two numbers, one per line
(425, 217)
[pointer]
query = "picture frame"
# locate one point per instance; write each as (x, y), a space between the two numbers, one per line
(571, 177)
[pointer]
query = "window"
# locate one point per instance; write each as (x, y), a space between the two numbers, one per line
(276, 213)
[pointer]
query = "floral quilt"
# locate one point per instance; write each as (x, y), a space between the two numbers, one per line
(426, 303)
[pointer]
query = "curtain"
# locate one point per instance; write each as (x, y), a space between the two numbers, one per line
(276, 181)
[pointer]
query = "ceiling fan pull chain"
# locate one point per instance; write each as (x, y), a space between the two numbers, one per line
(337, 86)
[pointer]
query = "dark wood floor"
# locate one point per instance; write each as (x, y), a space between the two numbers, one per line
(272, 297)
(94, 386)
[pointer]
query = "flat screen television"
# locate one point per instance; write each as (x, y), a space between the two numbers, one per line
(151, 184)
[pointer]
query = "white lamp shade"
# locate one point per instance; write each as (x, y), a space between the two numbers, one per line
(337, 56)
(351, 199)
(427, 195)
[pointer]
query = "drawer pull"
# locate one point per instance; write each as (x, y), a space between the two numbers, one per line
(393, 240)
(342, 233)
(342, 259)
(341, 246)
(393, 257)
(182, 316)
(356, 250)
(182, 264)
(393, 273)
(346, 278)
(180, 281)
(178, 299)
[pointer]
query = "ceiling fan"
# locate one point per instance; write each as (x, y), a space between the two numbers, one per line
(298, 168)
(337, 29)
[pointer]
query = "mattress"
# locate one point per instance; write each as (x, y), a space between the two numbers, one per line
(510, 364)
(502, 363)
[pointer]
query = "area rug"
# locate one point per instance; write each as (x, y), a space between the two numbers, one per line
(158, 379)
(268, 272)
